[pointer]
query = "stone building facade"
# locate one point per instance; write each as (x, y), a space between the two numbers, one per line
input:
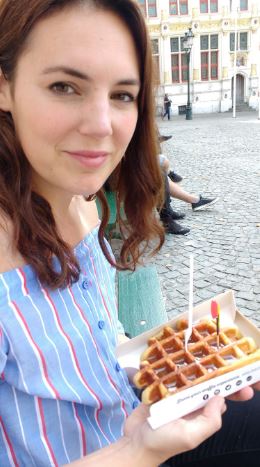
(213, 60)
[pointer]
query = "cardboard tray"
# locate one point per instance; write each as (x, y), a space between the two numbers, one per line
(195, 397)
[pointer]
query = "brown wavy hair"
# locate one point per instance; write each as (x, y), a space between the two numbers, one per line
(137, 178)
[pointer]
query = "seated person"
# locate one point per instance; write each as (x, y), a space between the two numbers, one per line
(198, 202)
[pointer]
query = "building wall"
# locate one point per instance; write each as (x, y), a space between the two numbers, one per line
(213, 95)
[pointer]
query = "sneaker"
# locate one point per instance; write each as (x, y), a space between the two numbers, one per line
(174, 177)
(174, 228)
(203, 203)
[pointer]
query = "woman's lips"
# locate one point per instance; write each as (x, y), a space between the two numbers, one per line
(91, 159)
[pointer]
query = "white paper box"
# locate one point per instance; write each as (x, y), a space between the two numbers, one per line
(195, 397)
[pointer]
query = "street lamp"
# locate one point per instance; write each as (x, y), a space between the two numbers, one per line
(187, 45)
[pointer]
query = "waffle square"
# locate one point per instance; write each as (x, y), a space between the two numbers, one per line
(167, 368)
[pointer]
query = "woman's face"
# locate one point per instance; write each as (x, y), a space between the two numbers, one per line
(74, 99)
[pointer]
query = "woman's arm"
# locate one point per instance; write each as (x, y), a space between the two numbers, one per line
(141, 446)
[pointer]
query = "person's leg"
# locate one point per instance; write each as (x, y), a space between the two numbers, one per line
(167, 196)
(177, 192)
(197, 202)
(237, 444)
(166, 211)
(168, 216)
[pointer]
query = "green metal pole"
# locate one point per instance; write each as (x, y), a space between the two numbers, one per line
(189, 107)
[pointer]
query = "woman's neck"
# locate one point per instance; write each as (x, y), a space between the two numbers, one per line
(79, 219)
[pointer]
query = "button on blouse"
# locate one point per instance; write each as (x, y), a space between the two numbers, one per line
(101, 324)
(85, 284)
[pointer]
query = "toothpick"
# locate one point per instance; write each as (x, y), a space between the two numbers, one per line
(215, 312)
(218, 332)
(188, 331)
(218, 327)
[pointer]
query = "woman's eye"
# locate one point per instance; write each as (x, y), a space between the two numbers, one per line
(124, 97)
(62, 88)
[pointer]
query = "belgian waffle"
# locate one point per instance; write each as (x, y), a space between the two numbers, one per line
(167, 368)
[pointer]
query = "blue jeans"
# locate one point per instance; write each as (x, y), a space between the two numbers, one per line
(236, 444)
(167, 112)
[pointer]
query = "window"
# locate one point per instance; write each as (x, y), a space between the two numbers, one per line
(179, 60)
(148, 7)
(243, 4)
(156, 63)
(209, 57)
(207, 6)
(178, 7)
(242, 41)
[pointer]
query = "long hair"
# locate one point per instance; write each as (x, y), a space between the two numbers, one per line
(137, 178)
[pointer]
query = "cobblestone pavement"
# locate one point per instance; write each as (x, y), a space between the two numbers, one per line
(217, 155)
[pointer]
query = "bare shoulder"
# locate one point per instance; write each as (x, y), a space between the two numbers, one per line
(10, 258)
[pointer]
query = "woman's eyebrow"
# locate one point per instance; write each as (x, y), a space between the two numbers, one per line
(79, 74)
(129, 82)
(67, 71)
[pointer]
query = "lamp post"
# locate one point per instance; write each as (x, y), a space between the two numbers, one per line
(187, 45)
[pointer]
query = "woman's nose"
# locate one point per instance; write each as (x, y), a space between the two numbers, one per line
(96, 118)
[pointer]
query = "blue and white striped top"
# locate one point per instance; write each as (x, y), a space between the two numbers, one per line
(63, 394)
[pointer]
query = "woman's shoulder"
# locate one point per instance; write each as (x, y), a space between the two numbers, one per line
(10, 257)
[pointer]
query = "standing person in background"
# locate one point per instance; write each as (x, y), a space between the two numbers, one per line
(167, 106)
(76, 103)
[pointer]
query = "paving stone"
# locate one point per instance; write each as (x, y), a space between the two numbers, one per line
(204, 294)
(242, 287)
(246, 295)
(245, 273)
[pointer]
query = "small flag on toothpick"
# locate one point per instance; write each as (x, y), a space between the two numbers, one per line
(215, 312)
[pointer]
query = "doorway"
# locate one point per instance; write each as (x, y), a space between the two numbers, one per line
(240, 89)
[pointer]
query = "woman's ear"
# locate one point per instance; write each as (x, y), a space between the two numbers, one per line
(5, 93)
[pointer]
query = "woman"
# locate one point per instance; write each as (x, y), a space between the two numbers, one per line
(76, 104)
